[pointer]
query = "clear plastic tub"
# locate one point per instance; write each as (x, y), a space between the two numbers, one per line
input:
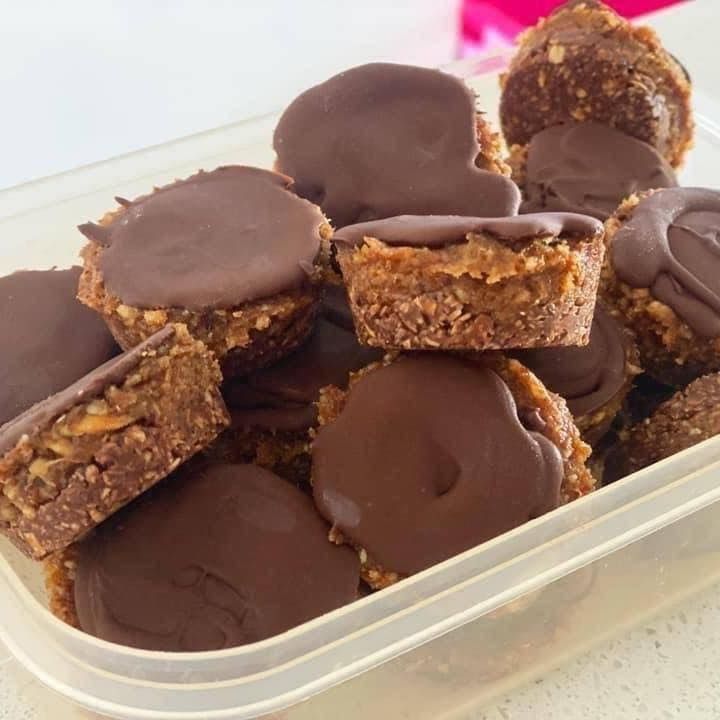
(434, 646)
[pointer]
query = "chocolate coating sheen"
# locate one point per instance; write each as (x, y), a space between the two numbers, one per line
(670, 245)
(217, 556)
(428, 458)
(112, 372)
(214, 240)
(382, 139)
(588, 376)
(442, 230)
(49, 338)
(589, 168)
(283, 396)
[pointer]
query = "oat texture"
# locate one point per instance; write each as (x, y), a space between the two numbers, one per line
(481, 294)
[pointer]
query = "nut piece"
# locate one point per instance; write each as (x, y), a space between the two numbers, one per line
(98, 424)
(556, 54)
(126, 312)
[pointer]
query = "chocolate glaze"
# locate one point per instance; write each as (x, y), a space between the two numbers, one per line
(217, 556)
(215, 240)
(429, 458)
(442, 230)
(283, 396)
(589, 376)
(589, 168)
(49, 338)
(382, 139)
(670, 246)
(112, 372)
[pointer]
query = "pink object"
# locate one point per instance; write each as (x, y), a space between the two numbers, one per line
(492, 24)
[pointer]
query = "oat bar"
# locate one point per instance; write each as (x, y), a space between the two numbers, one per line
(73, 459)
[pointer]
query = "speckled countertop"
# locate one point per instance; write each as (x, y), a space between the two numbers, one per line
(663, 669)
(667, 668)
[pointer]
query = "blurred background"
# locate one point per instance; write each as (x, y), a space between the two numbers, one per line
(86, 80)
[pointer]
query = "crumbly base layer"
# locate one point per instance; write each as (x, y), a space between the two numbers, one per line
(517, 162)
(59, 571)
(670, 350)
(646, 396)
(64, 479)
(528, 391)
(687, 418)
(587, 63)
(478, 295)
(492, 148)
(286, 453)
(244, 338)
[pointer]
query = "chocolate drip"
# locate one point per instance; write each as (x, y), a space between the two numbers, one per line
(439, 230)
(670, 246)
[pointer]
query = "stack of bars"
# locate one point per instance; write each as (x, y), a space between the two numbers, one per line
(267, 393)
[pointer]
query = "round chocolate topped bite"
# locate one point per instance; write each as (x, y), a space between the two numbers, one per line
(429, 455)
(230, 253)
(451, 282)
(685, 419)
(218, 556)
(274, 407)
(382, 139)
(593, 379)
(586, 63)
(586, 168)
(663, 275)
(50, 340)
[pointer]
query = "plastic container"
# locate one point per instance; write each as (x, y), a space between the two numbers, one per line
(434, 646)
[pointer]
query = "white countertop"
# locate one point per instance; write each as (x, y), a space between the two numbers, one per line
(664, 669)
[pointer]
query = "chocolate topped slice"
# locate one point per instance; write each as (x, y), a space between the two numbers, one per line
(75, 458)
(589, 168)
(670, 245)
(282, 396)
(440, 231)
(429, 457)
(50, 340)
(218, 556)
(215, 240)
(381, 140)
